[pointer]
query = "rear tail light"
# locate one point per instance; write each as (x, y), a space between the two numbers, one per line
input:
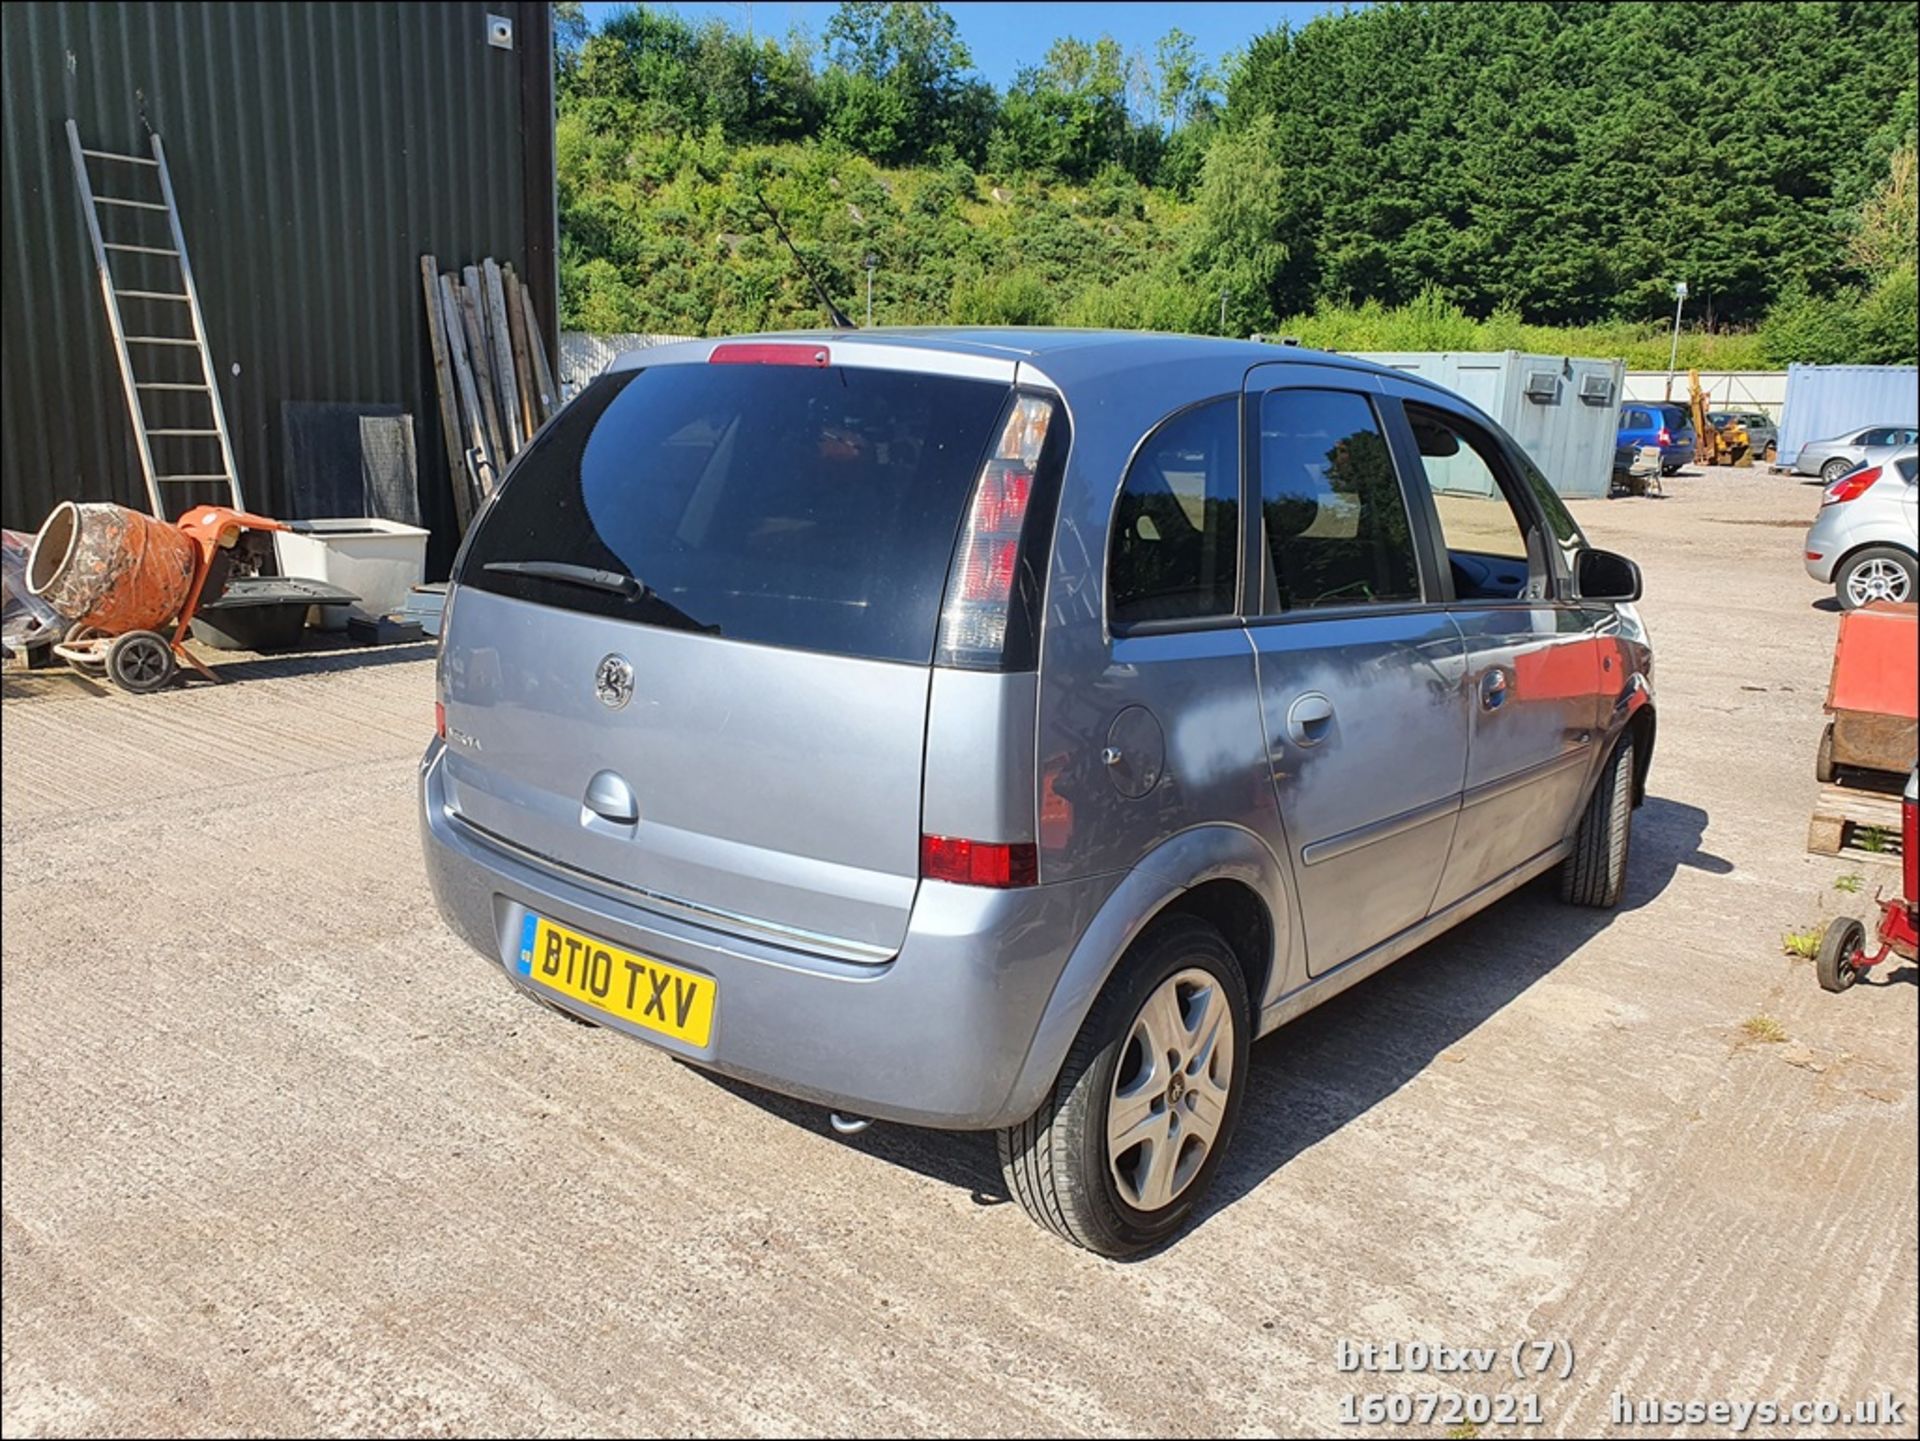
(440, 719)
(1666, 436)
(984, 593)
(979, 863)
(1851, 486)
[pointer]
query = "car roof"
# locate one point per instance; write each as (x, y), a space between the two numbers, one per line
(1067, 357)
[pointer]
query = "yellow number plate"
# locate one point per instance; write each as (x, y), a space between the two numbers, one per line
(634, 988)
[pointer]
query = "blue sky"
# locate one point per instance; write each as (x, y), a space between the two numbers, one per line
(1006, 37)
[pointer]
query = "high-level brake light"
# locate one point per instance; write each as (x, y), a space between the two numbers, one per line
(769, 353)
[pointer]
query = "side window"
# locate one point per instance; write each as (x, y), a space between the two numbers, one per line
(1337, 531)
(1176, 532)
(1484, 531)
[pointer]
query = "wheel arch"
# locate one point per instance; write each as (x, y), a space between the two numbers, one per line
(1641, 729)
(1852, 552)
(1225, 875)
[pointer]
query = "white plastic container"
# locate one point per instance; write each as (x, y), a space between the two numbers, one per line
(378, 560)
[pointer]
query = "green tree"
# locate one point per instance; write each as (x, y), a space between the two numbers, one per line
(897, 87)
(1249, 220)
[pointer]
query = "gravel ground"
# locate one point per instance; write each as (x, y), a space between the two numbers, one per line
(282, 1156)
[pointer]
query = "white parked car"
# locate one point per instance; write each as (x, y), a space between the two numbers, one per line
(1866, 538)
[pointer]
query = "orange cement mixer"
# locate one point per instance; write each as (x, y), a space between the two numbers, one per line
(124, 578)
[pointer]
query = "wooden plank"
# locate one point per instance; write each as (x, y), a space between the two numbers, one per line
(1868, 808)
(444, 386)
(1843, 816)
(481, 360)
(500, 338)
(474, 428)
(522, 362)
(549, 393)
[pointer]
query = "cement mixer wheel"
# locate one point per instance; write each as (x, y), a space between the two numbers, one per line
(140, 661)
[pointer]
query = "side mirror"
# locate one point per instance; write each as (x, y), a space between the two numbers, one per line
(1602, 575)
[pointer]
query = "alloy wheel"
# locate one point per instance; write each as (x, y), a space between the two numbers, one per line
(1877, 579)
(1170, 1090)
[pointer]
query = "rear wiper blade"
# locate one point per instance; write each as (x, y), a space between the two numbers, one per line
(628, 587)
(610, 580)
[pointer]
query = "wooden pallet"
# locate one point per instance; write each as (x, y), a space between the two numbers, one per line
(1844, 816)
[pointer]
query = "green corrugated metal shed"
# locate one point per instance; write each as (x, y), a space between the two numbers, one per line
(317, 151)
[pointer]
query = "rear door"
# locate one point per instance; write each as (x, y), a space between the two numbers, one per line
(738, 733)
(1533, 658)
(1360, 678)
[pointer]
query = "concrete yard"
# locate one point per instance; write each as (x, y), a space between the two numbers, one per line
(281, 1155)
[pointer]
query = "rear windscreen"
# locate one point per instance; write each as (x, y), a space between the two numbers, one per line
(809, 507)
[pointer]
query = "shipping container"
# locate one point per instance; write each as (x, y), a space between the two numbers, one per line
(1826, 400)
(1563, 410)
(317, 151)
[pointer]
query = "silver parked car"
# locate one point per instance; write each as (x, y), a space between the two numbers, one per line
(1867, 535)
(1831, 459)
(1002, 729)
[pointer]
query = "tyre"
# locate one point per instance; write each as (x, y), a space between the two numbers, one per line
(1844, 940)
(1880, 572)
(1595, 873)
(1823, 770)
(140, 661)
(1131, 1134)
(1834, 469)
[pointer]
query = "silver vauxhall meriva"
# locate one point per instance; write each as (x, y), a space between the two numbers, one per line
(1002, 729)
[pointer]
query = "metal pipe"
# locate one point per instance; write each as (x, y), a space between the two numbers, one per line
(848, 1125)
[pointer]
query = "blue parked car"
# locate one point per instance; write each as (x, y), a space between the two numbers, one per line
(1657, 422)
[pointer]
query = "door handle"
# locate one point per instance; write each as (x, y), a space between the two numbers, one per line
(1493, 689)
(1310, 719)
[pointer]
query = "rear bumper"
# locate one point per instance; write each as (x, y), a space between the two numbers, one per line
(1828, 539)
(937, 1036)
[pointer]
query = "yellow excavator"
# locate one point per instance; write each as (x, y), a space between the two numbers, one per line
(1727, 444)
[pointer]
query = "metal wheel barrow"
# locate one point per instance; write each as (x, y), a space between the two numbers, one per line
(132, 583)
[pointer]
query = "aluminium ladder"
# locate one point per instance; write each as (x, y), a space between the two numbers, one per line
(199, 432)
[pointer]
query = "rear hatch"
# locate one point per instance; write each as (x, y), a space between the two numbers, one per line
(692, 639)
